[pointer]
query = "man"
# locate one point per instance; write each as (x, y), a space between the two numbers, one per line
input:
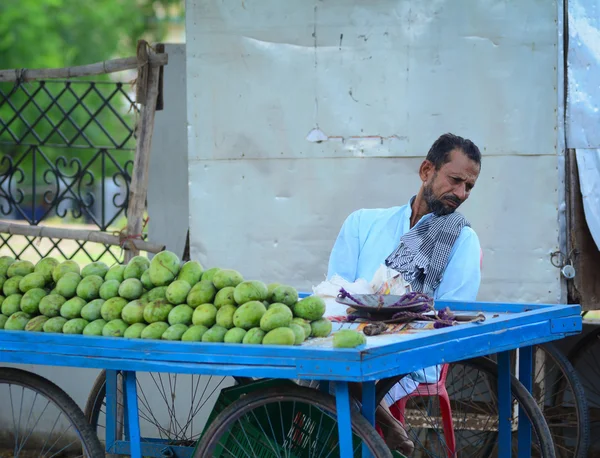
(427, 241)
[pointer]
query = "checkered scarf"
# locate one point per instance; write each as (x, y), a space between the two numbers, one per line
(423, 252)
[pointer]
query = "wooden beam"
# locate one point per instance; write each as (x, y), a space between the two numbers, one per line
(75, 234)
(99, 68)
(138, 189)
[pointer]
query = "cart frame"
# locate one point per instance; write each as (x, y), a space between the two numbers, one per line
(507, 327)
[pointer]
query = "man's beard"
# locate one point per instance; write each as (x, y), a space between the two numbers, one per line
(437, 206)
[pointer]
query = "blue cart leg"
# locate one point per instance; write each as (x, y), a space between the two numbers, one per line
(125, 416)
(111, 410)
(132, 414)
(342, 397)
(368, 410)
(525, 377)
(504, 406)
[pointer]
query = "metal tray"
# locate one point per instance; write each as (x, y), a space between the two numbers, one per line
(378, 304)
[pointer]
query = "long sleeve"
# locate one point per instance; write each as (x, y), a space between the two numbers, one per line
(462, 275)
(343, 260)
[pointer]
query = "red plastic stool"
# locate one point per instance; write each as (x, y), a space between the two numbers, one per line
(429, 390)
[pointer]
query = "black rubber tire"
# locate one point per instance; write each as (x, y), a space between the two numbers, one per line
(94, 400)
(581, 405)
(579, 350)
(360, 426)
(589, 340)
(89, 440)
(539, 426)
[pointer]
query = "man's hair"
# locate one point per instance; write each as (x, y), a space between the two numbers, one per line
(439, 153)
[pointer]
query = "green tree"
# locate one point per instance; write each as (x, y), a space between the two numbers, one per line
(64, 33)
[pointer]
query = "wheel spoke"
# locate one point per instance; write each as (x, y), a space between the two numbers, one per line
(160, 395)
(49, 436)
(295, 433)
(45, 415)
(37, 421)
(472, 391)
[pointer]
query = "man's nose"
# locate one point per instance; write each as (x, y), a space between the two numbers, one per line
(461, 192)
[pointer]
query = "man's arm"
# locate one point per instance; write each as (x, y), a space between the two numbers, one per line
(462, 276)
(343, 260)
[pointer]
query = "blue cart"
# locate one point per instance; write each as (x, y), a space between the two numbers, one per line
(506, 327)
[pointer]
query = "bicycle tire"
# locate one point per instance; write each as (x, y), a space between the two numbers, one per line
(98, 394)
(225, 419)
(539, 427)
(570, 378)
(579, 347)
(577, 355)
(61, 400)
(98, 389)
(579, 397)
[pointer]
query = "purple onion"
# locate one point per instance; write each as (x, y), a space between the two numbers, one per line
(446, 315)
(420, 303)
(442, 324)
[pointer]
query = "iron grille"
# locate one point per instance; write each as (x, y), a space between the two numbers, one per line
(67, 150)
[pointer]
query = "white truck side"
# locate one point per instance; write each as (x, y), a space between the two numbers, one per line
(299, 113)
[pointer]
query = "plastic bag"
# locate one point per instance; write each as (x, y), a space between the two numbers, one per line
(389, 281)
(329, 290)
(385, 281)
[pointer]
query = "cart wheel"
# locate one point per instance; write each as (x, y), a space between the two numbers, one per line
(559, 393)
(585, 358)
(40, 419)
(284, 421)
(172, 407)
(472, 392)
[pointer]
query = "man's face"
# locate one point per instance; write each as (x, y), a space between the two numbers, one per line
(447, 188)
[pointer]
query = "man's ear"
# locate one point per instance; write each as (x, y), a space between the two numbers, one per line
(426, 170)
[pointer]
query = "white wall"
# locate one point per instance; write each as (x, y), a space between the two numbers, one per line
(168, 174)
(380, 80)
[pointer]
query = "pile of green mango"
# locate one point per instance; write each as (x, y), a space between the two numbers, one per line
(162, 298)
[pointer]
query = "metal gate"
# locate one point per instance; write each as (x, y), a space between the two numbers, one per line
(66, 157)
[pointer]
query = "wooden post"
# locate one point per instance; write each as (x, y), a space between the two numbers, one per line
(148, 76)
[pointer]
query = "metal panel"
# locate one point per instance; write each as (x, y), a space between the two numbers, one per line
(561, 139)
(583, 74)
(277, 220)
(380, 80)
(168, 173)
